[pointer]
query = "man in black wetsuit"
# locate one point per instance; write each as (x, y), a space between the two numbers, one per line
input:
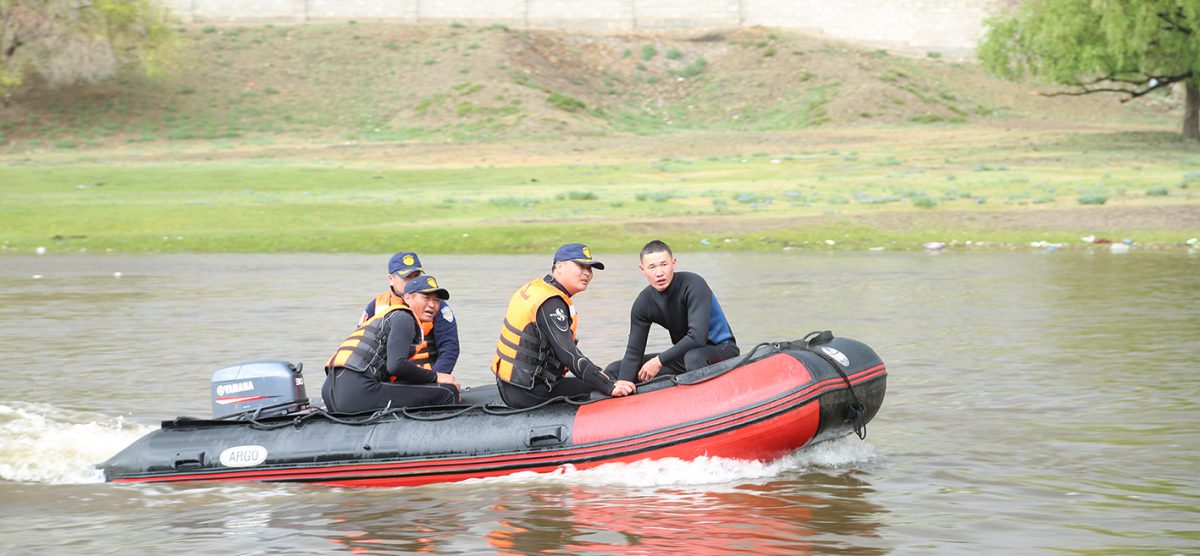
(371, 369)
(682, 303)
(537, 345)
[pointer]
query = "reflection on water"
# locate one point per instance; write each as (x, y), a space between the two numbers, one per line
(1037, 402)
(754, 519)
(716, 522)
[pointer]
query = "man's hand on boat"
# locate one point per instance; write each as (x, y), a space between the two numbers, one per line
(623, 388)
(650, 369)
(447, 378)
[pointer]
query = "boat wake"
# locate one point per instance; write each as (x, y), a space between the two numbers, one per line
(834, 454)
(40, 443)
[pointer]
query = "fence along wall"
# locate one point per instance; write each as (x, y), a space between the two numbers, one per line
(951, 27)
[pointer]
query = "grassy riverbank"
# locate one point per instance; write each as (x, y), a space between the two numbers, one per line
(860, 189)
(490, 140)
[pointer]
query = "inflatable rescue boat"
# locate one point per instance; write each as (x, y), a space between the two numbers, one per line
(764, 404)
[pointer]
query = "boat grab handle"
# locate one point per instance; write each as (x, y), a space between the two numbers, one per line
(546, 436)
(188, 459)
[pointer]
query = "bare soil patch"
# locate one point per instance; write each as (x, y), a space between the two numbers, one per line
(257, 86)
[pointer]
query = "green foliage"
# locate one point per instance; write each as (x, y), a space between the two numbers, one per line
(927, 118)
(565, 102)
(1092, 199)
(693, 69)
(66, 42)
(578, 196)
(526, 81)
(1097, 46)
(923, 201)
(657, 196)
(649, 52)
(750, 198)
(467, 88)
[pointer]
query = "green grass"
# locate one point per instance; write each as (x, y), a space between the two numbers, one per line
(565, 102)
(691, 70)
(765, 200)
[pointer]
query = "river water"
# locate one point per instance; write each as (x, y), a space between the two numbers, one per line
(1039, 402)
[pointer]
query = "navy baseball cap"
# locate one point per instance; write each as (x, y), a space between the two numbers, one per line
(404, 262)
(426, 284)
(579, 253)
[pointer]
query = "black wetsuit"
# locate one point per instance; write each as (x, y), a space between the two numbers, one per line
(690, 313)
(557, 331)
(349, 391)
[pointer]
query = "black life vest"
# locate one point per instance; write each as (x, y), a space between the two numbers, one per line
(426, 352)
(363, 351)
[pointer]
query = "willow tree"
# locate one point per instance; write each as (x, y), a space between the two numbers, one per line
(1127, 47)
(72, 41)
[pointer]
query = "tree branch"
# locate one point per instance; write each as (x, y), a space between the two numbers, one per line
(1160, 81)
(1129, 81)
(1173, 21)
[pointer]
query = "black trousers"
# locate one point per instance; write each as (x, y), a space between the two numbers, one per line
(519, 398)
(347, 391)
(702, 356)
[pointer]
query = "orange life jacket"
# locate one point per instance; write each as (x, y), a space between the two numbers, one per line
(361, 350)
(522, 355)
(426, 352)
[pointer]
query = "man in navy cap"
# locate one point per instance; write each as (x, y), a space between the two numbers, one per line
(372, 368)
(538, 343)
(440, 349)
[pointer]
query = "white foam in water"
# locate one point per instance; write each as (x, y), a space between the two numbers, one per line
(703, 470)
(44, 444)
(845, 452)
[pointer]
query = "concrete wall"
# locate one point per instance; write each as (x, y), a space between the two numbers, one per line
(947, 26)
(936, 25)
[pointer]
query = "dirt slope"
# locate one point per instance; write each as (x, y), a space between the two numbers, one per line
(337, 82)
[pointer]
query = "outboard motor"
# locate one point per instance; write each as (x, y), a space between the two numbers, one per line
(258, 389)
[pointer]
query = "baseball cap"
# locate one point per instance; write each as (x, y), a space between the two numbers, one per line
(426, 284)
(577, 252)
(404, 262)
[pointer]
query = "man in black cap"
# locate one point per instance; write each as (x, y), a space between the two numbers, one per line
(440, 349)
(538, 344)
(371, 369)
